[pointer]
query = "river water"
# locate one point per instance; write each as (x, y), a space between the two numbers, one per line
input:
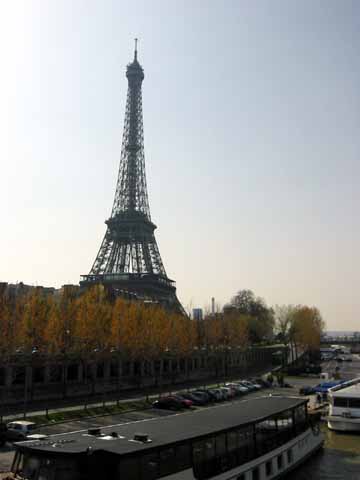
(339, 460)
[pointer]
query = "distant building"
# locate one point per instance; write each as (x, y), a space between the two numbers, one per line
(13, 291)
(197, 313)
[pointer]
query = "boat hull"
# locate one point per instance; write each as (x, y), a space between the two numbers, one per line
(343, 424)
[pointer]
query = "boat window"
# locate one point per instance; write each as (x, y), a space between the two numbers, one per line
(280, 462)
(220, 444)
(354, 402)
(209, 448)
(45, 473)
(183, 456)
(268, 468)
(65, 473)
(256, 474)
(129, 468)
(150, 466)
(198, 449)
(241, 477)
(232, 441)
(300, 414)
(300, 418)
(245, 444)
(284, 420)
(289, 454)
(31, 467)
(340, 402)
(167, 461)
(66, 470)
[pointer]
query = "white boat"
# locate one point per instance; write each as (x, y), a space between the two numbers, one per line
(257, 439)
(344, 412)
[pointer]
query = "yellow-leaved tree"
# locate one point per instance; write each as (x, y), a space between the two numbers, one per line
(34, 309)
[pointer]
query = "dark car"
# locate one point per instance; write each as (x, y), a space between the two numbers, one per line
(197, 398)
(214, 395)
(169, 403)
(205, 394)
(263, 383)
(186, 403)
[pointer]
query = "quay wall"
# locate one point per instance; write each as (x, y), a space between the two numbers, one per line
(38, 377)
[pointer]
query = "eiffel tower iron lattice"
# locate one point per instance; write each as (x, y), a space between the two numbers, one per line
(129, 260)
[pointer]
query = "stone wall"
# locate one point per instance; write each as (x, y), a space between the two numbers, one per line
(40, 378)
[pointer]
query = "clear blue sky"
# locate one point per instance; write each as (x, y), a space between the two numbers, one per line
(251, 113)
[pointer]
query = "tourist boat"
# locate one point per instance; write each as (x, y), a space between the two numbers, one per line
(257, 439)
(344, 411)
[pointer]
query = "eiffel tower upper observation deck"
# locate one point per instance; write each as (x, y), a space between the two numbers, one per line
(129, 260)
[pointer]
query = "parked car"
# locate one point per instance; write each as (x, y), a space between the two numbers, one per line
(245, 388)
(258, 386)
(202, 394)
(169, 403)
(250, 385)
(263, 383)
(196, 398)
(228, 392)
(205, 394)
(186, 403)
(221, 395)
(215, 394)
(238, 389)
(19, 430)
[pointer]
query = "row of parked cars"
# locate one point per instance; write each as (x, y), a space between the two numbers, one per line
(201, 397)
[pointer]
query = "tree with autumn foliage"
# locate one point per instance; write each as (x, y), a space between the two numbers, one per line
(35, 310)
(260, 316)
(59, 332)
(300, 327)
(7, 326)
(307, 327)
(92, 326)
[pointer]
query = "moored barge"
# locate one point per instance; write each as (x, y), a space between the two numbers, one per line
(257, 439)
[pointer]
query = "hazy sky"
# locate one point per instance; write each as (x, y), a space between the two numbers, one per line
(251, 115)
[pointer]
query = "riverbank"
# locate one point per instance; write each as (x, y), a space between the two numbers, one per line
(109, 418)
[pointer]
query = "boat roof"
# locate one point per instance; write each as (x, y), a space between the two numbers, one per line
(352, 391)
(165, 430)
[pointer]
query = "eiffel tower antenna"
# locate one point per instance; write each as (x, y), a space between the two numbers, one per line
(129, 261)
(135, 52)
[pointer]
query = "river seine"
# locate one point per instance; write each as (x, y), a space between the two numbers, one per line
(339, 460)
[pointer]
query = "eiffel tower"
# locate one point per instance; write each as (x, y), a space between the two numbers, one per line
(129, 261)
